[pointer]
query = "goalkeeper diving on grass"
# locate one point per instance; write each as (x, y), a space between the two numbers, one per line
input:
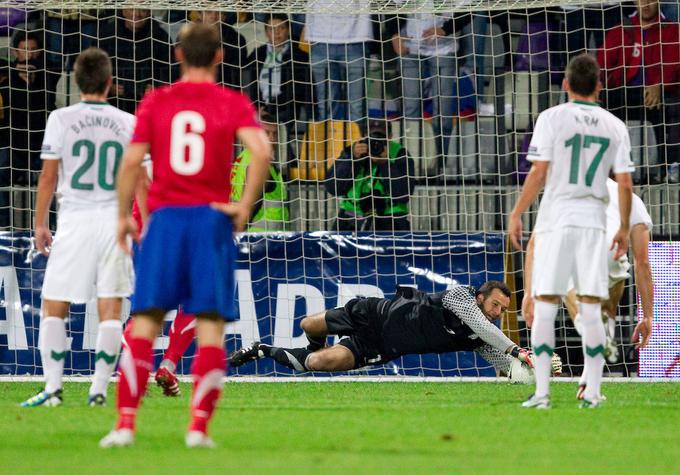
(374, 331)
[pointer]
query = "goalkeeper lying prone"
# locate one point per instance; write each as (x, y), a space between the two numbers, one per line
(374, 331)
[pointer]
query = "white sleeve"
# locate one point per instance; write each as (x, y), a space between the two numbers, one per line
(542, 143)
(53, 138)
(639, 213)
(622, 160)
(498, 359)
(459, 301)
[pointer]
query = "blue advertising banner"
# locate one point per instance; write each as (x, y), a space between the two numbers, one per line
(280, 279)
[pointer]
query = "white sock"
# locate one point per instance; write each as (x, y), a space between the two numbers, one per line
(593, 348)
(543, 344)
(53, 351)
(582, 381)
(106, 352)
(578, 324)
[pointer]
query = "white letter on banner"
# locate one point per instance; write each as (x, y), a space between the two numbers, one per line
(13, 326)
(347, 292)
(246, 326)
(285, 312)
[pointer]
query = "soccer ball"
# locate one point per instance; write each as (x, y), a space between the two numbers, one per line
(520, 373)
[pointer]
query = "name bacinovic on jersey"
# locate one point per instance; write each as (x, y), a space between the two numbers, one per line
(97, 121)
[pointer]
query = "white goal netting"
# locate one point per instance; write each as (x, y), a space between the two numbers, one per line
(447, 90)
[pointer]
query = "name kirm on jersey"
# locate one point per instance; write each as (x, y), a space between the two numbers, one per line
(586, 119)
(97, 121)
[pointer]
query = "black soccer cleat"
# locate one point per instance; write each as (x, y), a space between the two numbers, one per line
(246, 354)
(96, 400)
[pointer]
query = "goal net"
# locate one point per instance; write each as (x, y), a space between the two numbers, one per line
(401, 131)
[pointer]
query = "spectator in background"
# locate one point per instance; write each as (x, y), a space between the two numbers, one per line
(338, 56)
(24, 110)
(141, 54)
(640, 62)
(67, 33)
(282, 85)
(233, 71)
(373, 179)
(270, 212)
(427, 48)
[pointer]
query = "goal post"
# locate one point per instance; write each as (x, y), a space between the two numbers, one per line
(456, 87)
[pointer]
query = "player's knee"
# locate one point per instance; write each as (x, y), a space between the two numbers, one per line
(306, 324)
(329, 361)
(313, 325)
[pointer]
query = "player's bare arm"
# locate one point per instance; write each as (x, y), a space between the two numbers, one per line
(620, 242)
(141, 193)
(532, 187)
(256, 141)
(46, 186)
(128, 177)
(639, 238)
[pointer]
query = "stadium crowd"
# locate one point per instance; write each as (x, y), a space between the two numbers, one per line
(298, 71)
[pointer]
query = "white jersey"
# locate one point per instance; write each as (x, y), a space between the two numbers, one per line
(89, 138)
(638, 212)
(583, 143)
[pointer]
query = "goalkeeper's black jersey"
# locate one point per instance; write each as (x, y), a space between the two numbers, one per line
(417, 322)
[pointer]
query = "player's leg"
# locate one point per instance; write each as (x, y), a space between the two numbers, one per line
(208, 370)
(136, 363)
(571, 303)
(113, 282)
(594, 339)
(550, 280)
(591, 281)
(158, 288)
(107, 346)
(316, 330)
(182, 333)
(52, 346)
(543, 344)
(334, 358)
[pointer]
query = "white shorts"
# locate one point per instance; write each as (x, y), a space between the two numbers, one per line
(85, 260)
(618, 270)
(568, 258)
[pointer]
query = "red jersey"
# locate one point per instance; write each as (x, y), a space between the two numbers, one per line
(191, 129)
(626, 45)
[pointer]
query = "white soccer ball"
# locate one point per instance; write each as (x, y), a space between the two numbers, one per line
(520, 373)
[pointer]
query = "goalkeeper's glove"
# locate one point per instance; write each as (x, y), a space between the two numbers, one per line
(556, 365)
(524, 355)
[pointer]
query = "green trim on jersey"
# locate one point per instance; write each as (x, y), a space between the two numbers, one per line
(586, 103)
(95, 103)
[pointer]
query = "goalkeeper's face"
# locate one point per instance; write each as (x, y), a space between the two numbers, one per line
(493, 306)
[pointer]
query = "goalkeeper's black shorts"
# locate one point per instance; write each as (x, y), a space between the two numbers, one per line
(360, 321)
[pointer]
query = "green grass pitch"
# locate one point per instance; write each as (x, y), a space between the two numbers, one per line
(355, 428)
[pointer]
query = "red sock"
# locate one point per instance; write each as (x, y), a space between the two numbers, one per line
(136, 363)
(208, 370)
(182, 332)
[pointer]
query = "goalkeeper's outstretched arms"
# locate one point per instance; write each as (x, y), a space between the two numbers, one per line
(461, 303)
(502, 361)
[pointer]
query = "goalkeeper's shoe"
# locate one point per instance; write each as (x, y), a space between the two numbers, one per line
(246, 354)
(118, 438)
(198, 440)
(167, 380)
(537, 402)
(96, 400)
(43, 398)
